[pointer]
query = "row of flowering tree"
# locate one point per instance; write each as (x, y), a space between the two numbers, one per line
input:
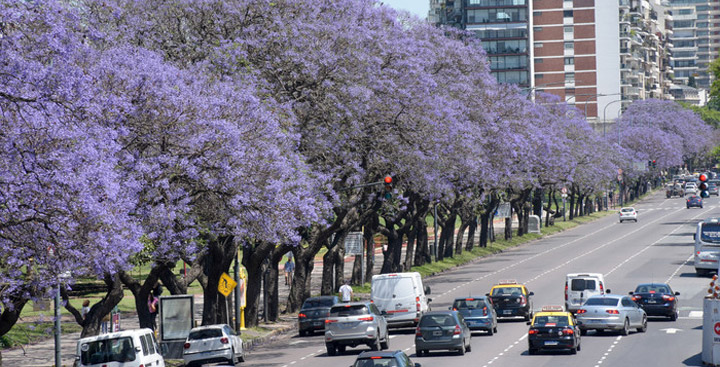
(154, 132)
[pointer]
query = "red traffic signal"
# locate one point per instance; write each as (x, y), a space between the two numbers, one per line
(388, 179)
(703, 177)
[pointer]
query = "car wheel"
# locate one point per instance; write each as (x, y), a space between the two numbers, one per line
(643, 328)
(375, 345)
(386, 344)
(302, 333)
(578, 347)
(700, 272)
(532, 351)
(635, 220)
(620, 220)
(418, 352)
(495, 329)
(573, 350)
(626, 328)
(674, 316)
(341, 348)
(241, 358)
(331, 350)
(490, 331)
(461, 351)
(469, 347)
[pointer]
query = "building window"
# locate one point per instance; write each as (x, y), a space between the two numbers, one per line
(538, 45)
(538, 61)
(568, 29)
(537, 29)
(537, 13)
(570, 78)
(539, 76)
(569, 46)
(567, 13)
(569, 61)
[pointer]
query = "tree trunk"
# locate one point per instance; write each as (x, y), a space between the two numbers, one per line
(339, 257)
(369, 236)
(464, 224)
(422, 254)
(327, 285)
(410, 248)
(391, 256)
(300, 289)
(538, 201)
(447, 234)
(91, 324)
(220, 254)
(141, 292)
(471, 234)
(253, 257)
(508, 227)
(572, 203)
(356, 270)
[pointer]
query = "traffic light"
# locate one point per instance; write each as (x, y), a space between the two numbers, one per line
(388, 187)
(703, 186)
(654, 163)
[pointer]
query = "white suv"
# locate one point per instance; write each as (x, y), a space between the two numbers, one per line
(354, 323)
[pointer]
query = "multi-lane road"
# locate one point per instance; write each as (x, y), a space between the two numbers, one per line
(657, 248)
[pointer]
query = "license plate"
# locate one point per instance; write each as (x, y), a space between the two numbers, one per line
(551, 342)
(507, 312)
(318, 323)
(652, 301)
(437, 333)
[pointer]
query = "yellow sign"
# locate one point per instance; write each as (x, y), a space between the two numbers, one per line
(226, 284)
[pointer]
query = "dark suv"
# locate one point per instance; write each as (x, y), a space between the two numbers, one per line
(396, 358)
(313, 313)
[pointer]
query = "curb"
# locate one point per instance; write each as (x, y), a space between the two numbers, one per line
(249, 345)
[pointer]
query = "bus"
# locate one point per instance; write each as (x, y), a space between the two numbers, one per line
(707, 246)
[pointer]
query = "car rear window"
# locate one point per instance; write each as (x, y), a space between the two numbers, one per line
(376, 362)
(108, 350)
(710, 232)
(315, 303)
(507, 291)
(627, 210)
(469, 304)
(581, 284)
(652, 289)
(552, 320)
(601, 301)
(437, 320)
(205, 334)
(349, 310)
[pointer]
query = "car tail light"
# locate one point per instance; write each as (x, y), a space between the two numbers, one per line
(602, 289)
(522, 301)
(224, 340)
(376, 357)
(454, 309)
(533, 331)
(613, 312)
(186, 345)
(568, 332)
(668, 297)
(302, 315)
(329, 321)
(417, 303)
(636, 298)
(484, 311)
(566, 289)
(457, 330)
(369, 318)
(580, 311)
(418, 332)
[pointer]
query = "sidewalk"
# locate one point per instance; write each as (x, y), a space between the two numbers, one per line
(42, 354)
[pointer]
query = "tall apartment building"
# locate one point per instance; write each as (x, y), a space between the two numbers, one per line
(695, 40)
(599, 55)
(503, 28)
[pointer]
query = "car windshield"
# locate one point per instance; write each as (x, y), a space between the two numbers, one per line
(469, 304)
(551, 320)
(437, 320)
(627, 210)
(376, 362)
(507, 291)
(205, 334)
(315, 303)
(107, 350)
(602, 301)
(652, 288)
(349, 310)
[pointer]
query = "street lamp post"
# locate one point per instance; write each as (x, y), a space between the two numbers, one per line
(605, 112)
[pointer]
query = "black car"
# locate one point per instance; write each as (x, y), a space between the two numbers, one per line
(553, 328)
(511, 299)
(657, 299)
(384, 359)
(694, 201)
(313, 313)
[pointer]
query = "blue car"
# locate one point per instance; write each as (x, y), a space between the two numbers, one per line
(694, 201)
(478, 312)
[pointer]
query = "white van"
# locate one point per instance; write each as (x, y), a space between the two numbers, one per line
(581, 286)
(707, 246)
(129, 348)
(401, 297)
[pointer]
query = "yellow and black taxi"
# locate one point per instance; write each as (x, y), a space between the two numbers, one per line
(553, 328)
(511, 299)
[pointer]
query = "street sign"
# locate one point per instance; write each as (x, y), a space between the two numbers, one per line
(504, 210)
(564, 190)
(226, 284)
(354, 243)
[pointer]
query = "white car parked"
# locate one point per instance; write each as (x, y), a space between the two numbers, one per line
(628, 213)
(212, 343)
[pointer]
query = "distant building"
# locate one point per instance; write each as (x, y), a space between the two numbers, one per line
(683, 93)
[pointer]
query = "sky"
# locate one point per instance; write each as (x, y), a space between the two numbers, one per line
(417, 7)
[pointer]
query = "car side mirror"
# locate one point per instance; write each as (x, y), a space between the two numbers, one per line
(607, 291)
(677, 293)
(630, 293)
(694, 236)
(427, 289)
(429, 300)
(531, 294)
(528, 323)
(487, 294)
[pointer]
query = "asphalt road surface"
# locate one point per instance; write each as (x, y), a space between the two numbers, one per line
(657, 248)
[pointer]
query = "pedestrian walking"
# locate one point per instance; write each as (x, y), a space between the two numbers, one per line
(346, 291)
(289, 269)
(85, 308)
(152, 308)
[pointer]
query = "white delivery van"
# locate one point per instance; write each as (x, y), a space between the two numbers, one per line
(128, 348)
(401, 297)
(581, 286)
(707, 246)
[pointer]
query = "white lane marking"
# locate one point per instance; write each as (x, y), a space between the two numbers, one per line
(293, 362)
(610, 349)
(678, 269)
(506, 350)
(670, 330)
(695, 315)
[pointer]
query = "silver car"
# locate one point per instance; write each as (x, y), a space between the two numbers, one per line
(611, 312)
(355, 323)
(212, 343)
